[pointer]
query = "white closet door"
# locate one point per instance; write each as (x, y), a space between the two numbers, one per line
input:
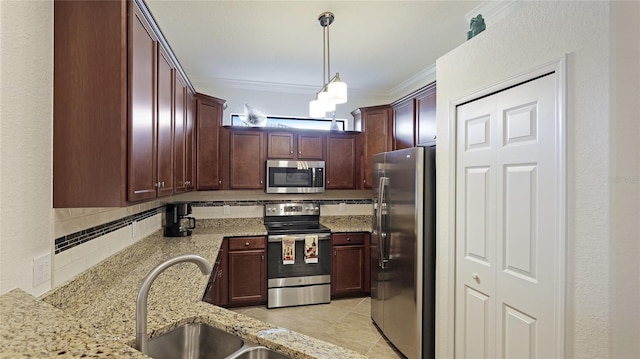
(506, 224)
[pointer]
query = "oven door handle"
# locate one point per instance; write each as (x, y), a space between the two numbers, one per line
(297, 237)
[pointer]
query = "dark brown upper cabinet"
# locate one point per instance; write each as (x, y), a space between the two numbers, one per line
(113, 124)
(295, 146)
(376, 127)
(208, 121)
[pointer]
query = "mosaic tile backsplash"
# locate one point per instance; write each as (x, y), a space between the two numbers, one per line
(74, 239)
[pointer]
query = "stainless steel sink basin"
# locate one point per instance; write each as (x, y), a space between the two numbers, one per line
(258, 353)
(192, 341)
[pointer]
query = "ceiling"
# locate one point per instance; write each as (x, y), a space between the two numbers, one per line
(378, 47)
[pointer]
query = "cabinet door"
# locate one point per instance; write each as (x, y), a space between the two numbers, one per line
(376, 129)
(246, 165)
(341, 162)
(142, 122)
(348, 270)
(189, 144)
(403, 125)
(247, 276)
(310, 147)
(426, 116)
(165, 124)
(208, 118)
(179, 137)
(280, 145)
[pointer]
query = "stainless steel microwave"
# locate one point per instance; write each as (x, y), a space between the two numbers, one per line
(294, 176)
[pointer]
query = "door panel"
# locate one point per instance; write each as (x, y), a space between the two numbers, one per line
(506, 207)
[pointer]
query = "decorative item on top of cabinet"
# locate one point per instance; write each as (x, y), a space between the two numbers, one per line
(375, 124)
(208, 121)
(295, 146)
(340, 166)
(107, 148)
(350, 266)
(247, 271)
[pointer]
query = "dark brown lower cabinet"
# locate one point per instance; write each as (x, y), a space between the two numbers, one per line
(350, 266)
(239, 276)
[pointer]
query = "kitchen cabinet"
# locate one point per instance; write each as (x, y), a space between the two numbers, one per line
(143, 182)
(165, 126)
(113, 119)
(180, 134)
(246, 159)
(376, 127)
(426, 115)
(341, 161)
(414, 118)
(350, 265)
(208, 121)
(247, 270)
(190, 140)
(218, 285)
(295, 146)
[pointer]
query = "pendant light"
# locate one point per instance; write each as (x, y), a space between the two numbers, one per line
(334, 91)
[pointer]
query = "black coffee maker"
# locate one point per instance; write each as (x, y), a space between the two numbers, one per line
(176, 222)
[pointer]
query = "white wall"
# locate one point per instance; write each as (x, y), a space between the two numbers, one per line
(536, 34)
(26, 87)
(294, 103)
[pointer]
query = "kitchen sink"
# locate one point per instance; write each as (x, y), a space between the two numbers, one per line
(258, 353)
(195, 341)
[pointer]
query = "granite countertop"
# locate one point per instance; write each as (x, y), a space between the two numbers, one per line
(94, 314)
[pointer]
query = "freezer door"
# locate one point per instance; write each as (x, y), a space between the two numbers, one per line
(377, 286)
(402, 309)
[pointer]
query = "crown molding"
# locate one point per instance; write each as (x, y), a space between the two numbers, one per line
(494, 11)
(421, 79)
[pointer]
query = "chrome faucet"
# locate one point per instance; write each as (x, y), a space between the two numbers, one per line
(142, 341)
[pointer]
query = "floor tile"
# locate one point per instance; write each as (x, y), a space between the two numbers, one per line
(344, 322)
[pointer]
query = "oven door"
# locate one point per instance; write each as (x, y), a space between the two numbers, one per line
(278, 271)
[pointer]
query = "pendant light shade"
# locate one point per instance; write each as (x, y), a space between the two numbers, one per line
(333, 91)
(337, 90)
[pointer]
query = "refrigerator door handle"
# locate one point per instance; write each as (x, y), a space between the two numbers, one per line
(382, 228)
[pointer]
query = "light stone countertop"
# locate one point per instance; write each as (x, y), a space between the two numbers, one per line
(93, 315)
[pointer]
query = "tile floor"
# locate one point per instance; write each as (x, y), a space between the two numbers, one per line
(344, 322)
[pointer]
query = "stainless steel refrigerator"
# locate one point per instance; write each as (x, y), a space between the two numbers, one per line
(403, 249)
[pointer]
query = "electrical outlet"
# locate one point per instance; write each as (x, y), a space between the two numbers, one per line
(226, 209)
(343, 207)
(41, 269)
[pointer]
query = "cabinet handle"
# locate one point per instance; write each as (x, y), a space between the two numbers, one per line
(299, 152)
(348, 239)
(220, 182)
(246, 244)
(335, 253)
(261, 258)
(291, 152)
(260, 181)
(162, 184)
(434, 137)
(156, 185)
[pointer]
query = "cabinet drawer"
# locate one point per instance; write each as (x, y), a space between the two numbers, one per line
(240, 243)
(347, 238)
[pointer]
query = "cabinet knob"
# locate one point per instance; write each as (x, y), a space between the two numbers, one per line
(156, 185)
(261, 258)
(291, 152)
(335, 253)
(476, 277)
(162, 184)
(434, 137)
(220, 182)
(246, 244)
(348, 239)
(299, 152)
(260, 181)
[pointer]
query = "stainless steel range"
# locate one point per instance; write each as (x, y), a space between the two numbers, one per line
(298, 254)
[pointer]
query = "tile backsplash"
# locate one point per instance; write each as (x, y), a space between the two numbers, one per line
(84, 237)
